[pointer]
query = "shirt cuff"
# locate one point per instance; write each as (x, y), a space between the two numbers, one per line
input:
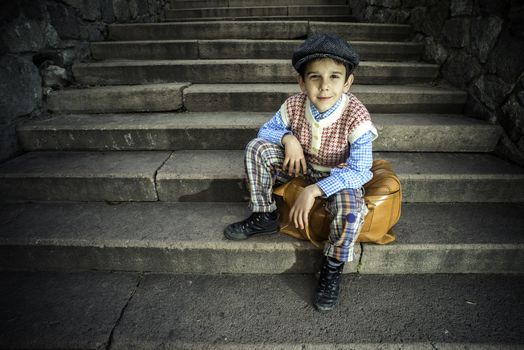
(330, 185)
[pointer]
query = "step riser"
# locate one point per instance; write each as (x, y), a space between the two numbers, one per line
(325, 18)
(460, 258)
(269, 102)
(458, 190)
(375, 260)
(281, 11)
(168, 260)
(413, 138)
(152, 98)
(240, 49)
(89, 188)
(238, 73)
(256, 30)
(249, 3)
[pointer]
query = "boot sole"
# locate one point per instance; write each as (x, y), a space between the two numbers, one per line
(244, 237)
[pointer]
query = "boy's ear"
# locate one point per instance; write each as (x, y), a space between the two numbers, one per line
(349, 82)
(302, 83)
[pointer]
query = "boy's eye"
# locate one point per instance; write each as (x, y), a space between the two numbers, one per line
(335, 76)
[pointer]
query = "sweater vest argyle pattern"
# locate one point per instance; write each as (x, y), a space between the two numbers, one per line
(334, 138)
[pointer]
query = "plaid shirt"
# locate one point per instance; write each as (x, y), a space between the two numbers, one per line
(360, 159)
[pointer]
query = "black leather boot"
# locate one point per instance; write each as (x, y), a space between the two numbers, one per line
(256, 224)
(328, 289)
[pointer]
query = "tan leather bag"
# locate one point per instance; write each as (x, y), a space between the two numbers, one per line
(383, 196)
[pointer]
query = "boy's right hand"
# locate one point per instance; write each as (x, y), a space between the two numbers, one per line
(294, 161)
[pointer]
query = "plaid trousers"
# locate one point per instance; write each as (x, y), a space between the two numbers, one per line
(263, 165)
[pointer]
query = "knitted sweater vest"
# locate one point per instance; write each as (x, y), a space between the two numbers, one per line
(326, 143)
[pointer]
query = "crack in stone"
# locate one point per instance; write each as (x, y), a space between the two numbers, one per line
(111, 335)
(156, 175)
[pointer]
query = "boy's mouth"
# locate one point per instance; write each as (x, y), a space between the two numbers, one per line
(323, 98)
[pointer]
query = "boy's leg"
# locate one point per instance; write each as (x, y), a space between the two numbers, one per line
(349, 210)
(262, 162)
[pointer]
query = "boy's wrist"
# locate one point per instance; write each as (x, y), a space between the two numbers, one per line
(315, 190)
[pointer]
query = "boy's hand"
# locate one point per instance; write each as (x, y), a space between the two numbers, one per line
(299, 213)
(294, 160)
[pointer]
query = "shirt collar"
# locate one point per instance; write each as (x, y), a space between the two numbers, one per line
(319, 116)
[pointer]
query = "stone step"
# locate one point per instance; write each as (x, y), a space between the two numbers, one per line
(81, 176)
(244, 97)
(258, 12)
(232, 130)
(109, 99)
(175, 4)
(242, 48)
(126, 310)
(269, 98)
(324, 18)
(187, 238)
(218, 176)
(238, 71)
(256, 30)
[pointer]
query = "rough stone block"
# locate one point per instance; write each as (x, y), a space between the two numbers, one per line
(20, 87)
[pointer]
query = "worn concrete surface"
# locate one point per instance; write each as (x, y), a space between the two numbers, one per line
(272, 310)
(108, 99)
(61, 311)
(161, 237)
(81, 176)
(256, 30)
(269, 97)
(241, 48)
(248, 3)
(456, 177)
(233, 130)
(425, 177)
(225, 71)
(187, 238)
(209, 30)
(66, 310)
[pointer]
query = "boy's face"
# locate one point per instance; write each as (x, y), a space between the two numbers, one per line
(324, 82)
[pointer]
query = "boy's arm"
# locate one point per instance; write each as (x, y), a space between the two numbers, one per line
(358, 169)
(274, 129)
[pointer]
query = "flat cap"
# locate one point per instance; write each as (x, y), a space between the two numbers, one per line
(325, 46)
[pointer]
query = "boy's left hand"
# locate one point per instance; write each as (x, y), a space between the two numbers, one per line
(299, 213)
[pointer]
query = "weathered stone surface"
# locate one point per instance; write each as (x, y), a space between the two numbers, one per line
(61, 311)
(506, 57)
(24, 35)
(491, 90)
(8, 140)
(64, 20)
(435, 18)
(461, 7)
(106, 11)
(513, 118)
(20, 86)
(496, 8)
(456, 32)
(385, 3)
(507, 149)
(434, 51)
(477, 109)
(88, 9)
(484, 34)
(520, 97)
(418, 15)
(460, 69)
(54, 76)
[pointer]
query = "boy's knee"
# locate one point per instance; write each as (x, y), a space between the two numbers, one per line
(256, 145)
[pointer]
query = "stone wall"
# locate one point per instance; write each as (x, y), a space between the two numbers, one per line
(39, 42)
(480, 47)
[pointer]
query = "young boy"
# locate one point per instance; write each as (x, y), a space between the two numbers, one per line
(325, 133)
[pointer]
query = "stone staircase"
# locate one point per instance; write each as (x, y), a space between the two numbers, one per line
(111, 222)
(139, 167)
